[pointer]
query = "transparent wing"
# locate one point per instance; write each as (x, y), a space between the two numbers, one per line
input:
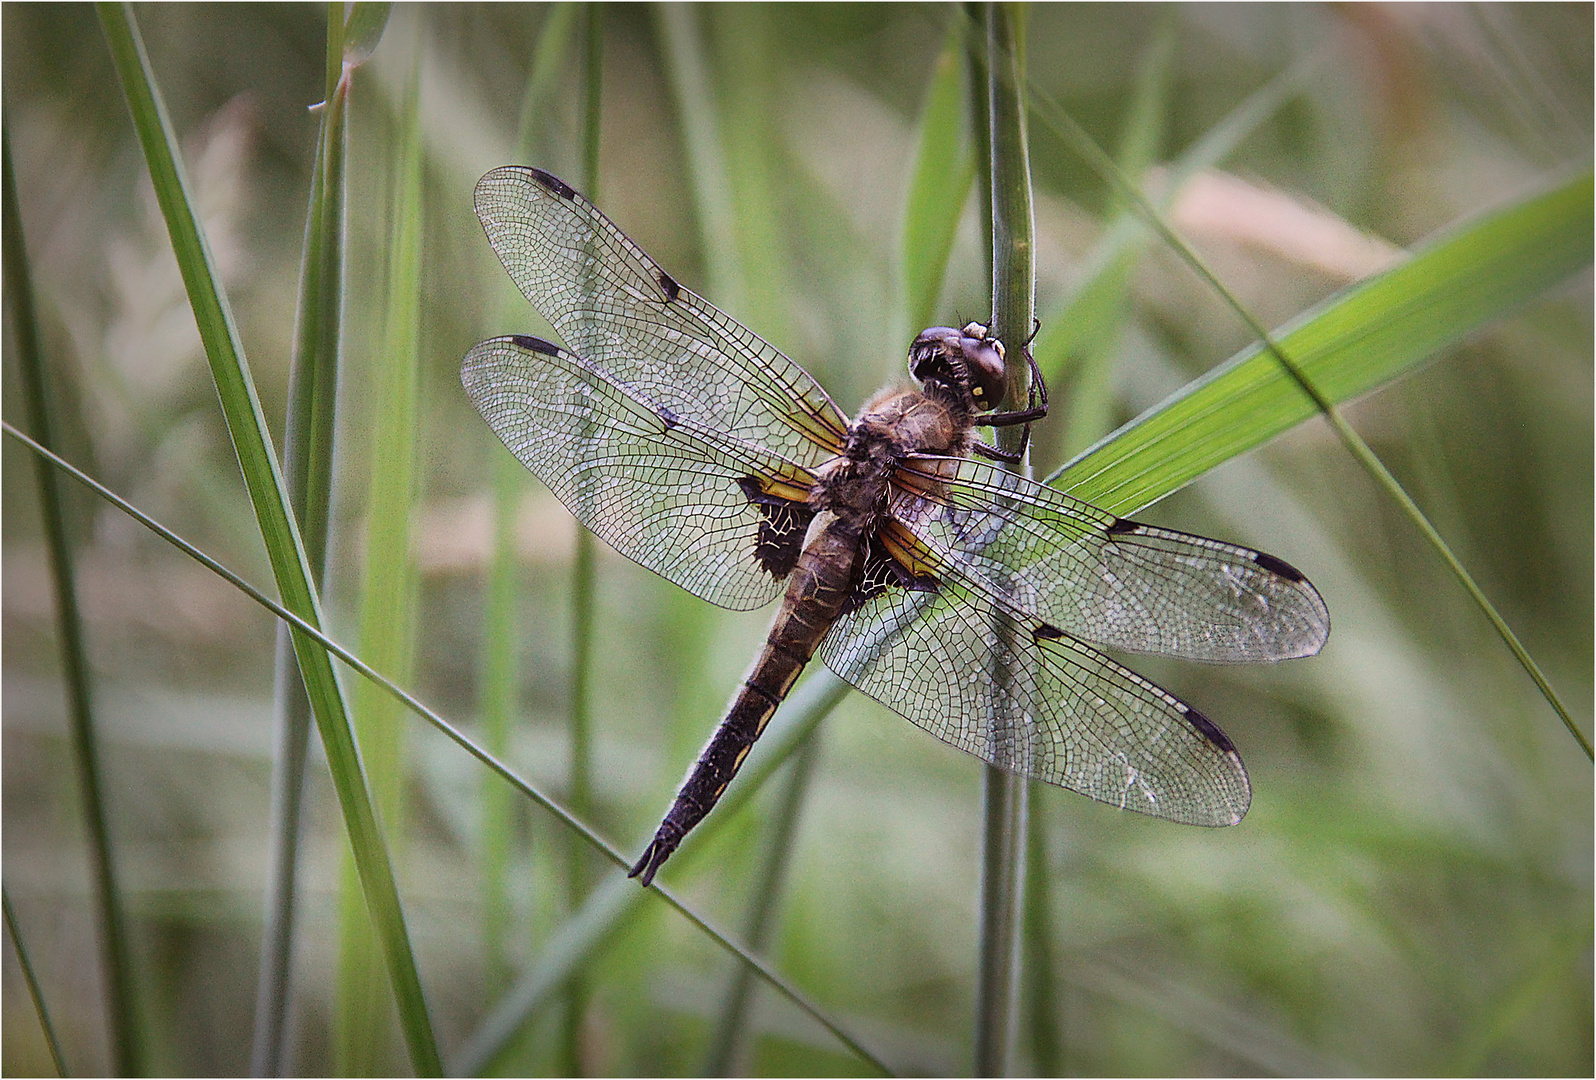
(662, 490)
(1105, 579)
(621, 313)
(991, 682)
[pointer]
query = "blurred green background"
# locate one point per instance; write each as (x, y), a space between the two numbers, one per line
(1411, 892)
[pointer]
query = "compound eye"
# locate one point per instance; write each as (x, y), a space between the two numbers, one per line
(984, 360)
(927, 349)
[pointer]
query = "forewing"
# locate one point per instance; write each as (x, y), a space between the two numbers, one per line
(995, 684)
(619, 311)
(660, 489)
(1105, 579)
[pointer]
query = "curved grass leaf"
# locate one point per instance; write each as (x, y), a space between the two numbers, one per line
(290, 567)
(1353, 343)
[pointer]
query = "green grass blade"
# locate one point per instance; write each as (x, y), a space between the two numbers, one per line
(584, 585)
(1013, 307)
(792, 724)
(290, 566)
(32, 981)
(975, 61)
(307, 455)
(389, 583)
(122, 1025)
(1043, 1004)
(939, 188)
(1353, 343)
(687, 68)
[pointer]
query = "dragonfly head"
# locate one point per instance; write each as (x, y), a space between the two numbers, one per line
(967, 363)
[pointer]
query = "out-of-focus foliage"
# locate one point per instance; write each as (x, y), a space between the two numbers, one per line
(1412, 890)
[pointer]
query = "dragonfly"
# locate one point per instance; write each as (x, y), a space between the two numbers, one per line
(962, 595)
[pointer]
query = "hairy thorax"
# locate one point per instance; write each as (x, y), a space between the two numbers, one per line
(893, 424)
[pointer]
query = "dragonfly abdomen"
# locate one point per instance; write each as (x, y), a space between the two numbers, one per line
(816, 594)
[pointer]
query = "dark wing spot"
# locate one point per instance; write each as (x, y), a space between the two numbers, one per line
(668, 283)
(1047, 632)
(670, 418)
(1208, 729)
(554, 184)
(781, 533)
(536, 344)
(1278, 566)
(1122, 525)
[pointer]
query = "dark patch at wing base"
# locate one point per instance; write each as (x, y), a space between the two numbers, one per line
(781, 533)
(881, 572)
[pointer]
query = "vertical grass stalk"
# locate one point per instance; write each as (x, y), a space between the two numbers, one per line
(583, 586)
(268, 495)
(1042, 1007)
(1013, 307)
(122, 1027)
(308, 437)
(388, 590)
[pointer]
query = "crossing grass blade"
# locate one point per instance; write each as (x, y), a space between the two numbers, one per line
(1085, 333)
(615, 903)
(1092, 309)
(268, 495)
(122, 1022)
(36, 995)
(760, 920)
(618, 895)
